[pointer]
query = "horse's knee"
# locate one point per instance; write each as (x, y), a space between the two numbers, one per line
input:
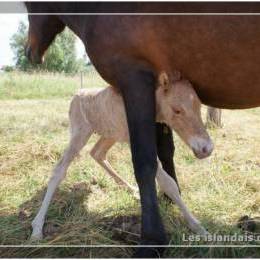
(93, 154)
(145, 173)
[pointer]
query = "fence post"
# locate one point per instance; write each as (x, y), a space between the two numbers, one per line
(81, 79)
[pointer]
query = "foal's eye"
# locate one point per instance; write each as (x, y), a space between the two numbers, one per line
(176, 111)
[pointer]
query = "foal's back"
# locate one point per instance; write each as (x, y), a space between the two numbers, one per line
(103, 110)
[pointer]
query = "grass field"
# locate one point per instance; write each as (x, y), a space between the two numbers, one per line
(88, 207)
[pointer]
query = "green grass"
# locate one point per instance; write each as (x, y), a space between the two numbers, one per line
(17, 85)
(33, 135)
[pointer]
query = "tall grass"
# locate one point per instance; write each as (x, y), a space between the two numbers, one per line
(18, 85)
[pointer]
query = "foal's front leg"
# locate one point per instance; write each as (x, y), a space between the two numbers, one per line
(138, 91)
(170, 188)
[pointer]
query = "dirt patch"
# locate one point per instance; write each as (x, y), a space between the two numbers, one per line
(249, 224)
(50, 229)
(125, 229)
(23, 215)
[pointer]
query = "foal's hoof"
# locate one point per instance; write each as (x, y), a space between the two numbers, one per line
(202, 231)
(198, 229)
(36, 237)
(148, 252)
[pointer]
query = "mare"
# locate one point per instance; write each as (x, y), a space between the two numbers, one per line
(218, 53)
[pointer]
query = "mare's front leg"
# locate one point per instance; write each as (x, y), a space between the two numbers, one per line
(165, 149)
(138, 90)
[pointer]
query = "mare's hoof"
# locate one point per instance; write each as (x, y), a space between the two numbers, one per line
(149, 252)
(247, 223)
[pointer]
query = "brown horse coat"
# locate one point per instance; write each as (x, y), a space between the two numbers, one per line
(219, 54)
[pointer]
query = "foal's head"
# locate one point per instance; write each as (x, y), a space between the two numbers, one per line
(42, 31)
(179, 106)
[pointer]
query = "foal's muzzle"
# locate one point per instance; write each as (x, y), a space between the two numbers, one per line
(202, 148)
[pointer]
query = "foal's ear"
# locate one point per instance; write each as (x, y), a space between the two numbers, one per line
(164, 81)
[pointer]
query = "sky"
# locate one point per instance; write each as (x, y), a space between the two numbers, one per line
(8, 26)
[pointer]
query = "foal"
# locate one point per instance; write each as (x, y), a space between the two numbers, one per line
(102, 111)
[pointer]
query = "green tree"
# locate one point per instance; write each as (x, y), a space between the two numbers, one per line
(60, 57)
(17, 44)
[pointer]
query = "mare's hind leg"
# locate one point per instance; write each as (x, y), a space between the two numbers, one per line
(99, 152)
(169, 186)
(78, 140)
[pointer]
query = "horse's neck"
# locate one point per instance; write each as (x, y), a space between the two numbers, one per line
(73, 22)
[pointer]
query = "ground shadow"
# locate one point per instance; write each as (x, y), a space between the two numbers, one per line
(69, 212)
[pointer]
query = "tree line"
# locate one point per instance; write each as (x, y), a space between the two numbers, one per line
(60, 57)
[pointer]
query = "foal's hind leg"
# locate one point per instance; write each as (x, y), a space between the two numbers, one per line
(99, 152)
(169, 186)
(78, 140)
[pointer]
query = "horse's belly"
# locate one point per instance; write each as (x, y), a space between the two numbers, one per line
(221, 56)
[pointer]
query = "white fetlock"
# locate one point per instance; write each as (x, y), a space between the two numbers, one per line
(36, 236)
(199, 229)
(37, 231)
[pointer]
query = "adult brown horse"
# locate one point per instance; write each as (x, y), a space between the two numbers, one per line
(219, 54)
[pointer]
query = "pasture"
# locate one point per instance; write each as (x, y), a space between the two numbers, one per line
(89, 208)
